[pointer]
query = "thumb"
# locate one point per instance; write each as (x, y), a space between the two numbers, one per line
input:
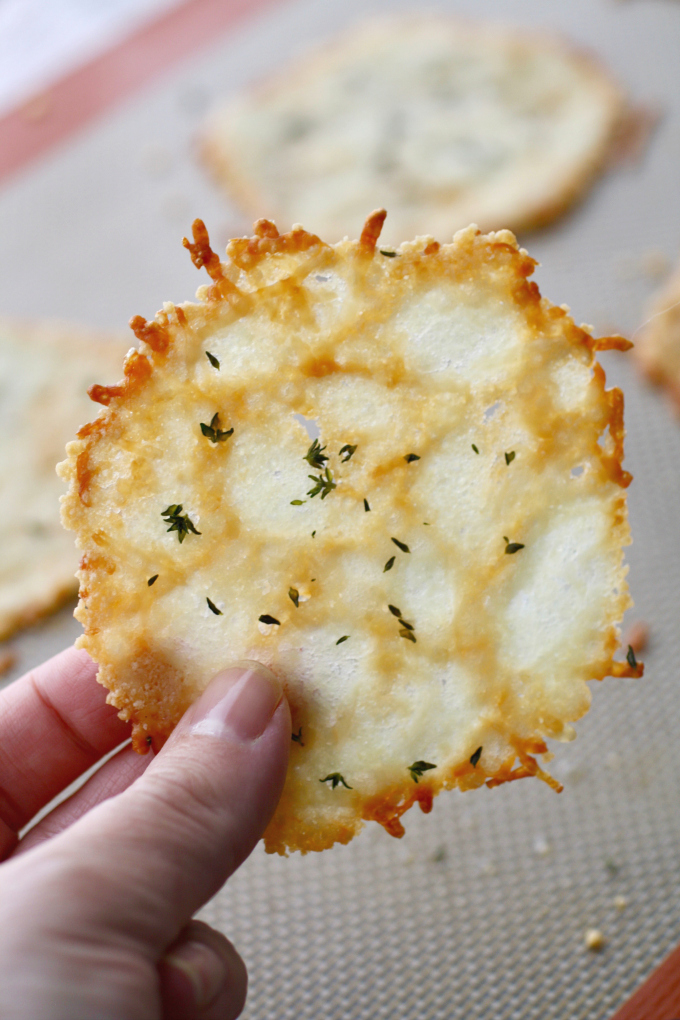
(188, 822)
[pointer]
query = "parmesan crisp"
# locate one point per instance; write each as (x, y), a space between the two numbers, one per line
(45, 371)
(443, 121)
(658, 352)
(435, 578)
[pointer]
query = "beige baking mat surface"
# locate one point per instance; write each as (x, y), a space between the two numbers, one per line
(480, 911)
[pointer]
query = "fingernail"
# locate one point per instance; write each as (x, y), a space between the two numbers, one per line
(239, 702)
(204, 968)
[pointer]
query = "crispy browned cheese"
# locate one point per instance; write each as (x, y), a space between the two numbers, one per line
(434, 578)
(444, 121)
(658, 352)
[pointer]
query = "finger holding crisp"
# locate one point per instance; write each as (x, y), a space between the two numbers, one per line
(435, 577)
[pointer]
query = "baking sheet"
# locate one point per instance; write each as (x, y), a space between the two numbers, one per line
(481, 910)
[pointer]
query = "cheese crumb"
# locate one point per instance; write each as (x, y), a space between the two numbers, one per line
(594, 940)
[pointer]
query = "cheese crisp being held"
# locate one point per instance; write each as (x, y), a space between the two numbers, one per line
(45, 371)
(658, 353)
(434, 578)
(445, 122)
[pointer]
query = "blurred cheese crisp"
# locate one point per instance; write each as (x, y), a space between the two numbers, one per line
(45, 370)
(443, 122)
(658, 351)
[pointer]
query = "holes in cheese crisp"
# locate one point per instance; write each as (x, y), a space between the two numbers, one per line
(309, 424)
(577, 471)
(490, 411)
(604, 440)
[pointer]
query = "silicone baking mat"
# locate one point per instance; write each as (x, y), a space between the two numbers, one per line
(481, 909)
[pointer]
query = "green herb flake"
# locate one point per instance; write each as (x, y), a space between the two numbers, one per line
(389, 564)
(348, 451)
(315, 456)
(213, 432)
(345, 637)
(313, 534)
(475, 448)
(630, 657)
(388, 254)
(212, 359)
(323, 484)
(394, 611)
(178, 521)
(407, 633)
(294, 596)
(366, 506)
(401, 545)
(335, 779)
(266, 618)
(410, 457)
(213, 608)
(474, 758)
(509, 457)
(408, 626)
(512, 547)
(297, 737)
(418, 768)
(152, 580)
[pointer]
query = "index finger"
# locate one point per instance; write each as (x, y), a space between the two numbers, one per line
(54, 725)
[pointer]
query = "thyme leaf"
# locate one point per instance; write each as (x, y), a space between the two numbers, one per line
(323, 484)
(315, 456)
(474, 758)
(294, 596)
(401, 545)
(394, 611)
(389, 564)
(179, 522)
(212, 359)
(630, 657)
(213, 432)
(297, 502)
(213, 608)
(366, 506)
(418, 768)
(407, 633)
(512, 547)
(152, 580)
(334, 778)
(404, 623)
(388, 254)
(509, 457)
(348, 451)
(410, 457)
(475, 448)
(297, 737)
(345, 637)
(266, 618)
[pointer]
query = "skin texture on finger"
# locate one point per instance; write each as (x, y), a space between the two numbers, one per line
(54, 725)
(111, 779)
(202, 976)
(122, 882)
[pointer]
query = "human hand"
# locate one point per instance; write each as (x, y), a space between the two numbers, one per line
(96, 901)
